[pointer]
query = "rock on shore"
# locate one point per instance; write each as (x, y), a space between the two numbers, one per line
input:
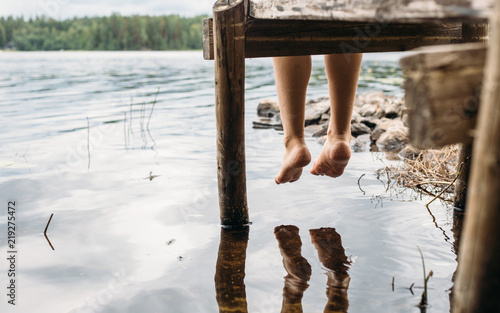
(376, 122)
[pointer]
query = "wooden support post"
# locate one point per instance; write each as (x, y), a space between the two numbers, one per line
(442, 86)
(478, 277)
(461, 184)
(470, 33)
(229, 44)
(230, 270)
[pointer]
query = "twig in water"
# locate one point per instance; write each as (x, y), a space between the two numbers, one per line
(393, 283)
(149, 120)
(152, 108)
(45, 231)
(411, 288)
(143, 133)
(130, 126)
(452, 182)
(88, 141)
(48, 223)
(423, 301)
(125, 128)
(151, 176)
(446, 238)
(359, 186)
(50, 243)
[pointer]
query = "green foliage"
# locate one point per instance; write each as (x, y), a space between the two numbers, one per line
(115, 32)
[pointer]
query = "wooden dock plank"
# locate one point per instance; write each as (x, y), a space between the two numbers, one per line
(400, 11)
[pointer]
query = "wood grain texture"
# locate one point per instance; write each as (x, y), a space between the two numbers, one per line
(470, 33)
(478, 277)
(442, 93)
(229, 43)
(267, 38)
(462, 183)
(401, 11)
(208, 39)
(286, 38)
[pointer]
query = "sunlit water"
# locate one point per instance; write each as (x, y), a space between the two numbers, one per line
(132, 186)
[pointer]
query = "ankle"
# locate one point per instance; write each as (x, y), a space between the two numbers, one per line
(293, 141)
(338, 136)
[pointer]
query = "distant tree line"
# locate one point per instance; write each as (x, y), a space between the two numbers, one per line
(114, 32)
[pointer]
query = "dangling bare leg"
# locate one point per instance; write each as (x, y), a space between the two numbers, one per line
(342, 73)
(292, 76)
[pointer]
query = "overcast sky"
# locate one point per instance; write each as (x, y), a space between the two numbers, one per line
(61, 9)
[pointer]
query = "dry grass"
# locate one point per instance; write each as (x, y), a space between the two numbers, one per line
(431, 171)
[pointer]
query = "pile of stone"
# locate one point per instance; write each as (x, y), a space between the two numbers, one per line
(376, 122)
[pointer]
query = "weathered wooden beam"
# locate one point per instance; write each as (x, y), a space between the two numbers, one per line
(408, 11)
(268, 38)
(442, 93)
(478, 277)
(229, 43)
(286, 38)
(474, 32)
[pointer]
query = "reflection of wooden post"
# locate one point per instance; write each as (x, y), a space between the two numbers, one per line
(229, 41)
(470, 33)
(478, 277)
(458, 222)
(230, 270)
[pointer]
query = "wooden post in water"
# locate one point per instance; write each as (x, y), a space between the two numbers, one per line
(229, 44)
(478, 277)
(464, 161)
(470, 33)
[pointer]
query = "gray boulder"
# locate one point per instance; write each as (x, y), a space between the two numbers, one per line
(268, 108)
(394, 138)
(357, 145)
(315, 130)
(315, 110)
(393, 107)
(359, 129)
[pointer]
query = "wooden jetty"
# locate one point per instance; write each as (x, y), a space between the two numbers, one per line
(446, 93)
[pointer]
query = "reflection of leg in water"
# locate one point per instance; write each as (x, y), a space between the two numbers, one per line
(299, 271)
(331, 254)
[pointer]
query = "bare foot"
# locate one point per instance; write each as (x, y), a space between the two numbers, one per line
(296, 157)
(333, 158)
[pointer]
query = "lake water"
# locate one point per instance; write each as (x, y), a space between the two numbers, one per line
(132, 186)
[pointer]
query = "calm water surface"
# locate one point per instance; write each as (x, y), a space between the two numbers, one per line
(133, 191)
